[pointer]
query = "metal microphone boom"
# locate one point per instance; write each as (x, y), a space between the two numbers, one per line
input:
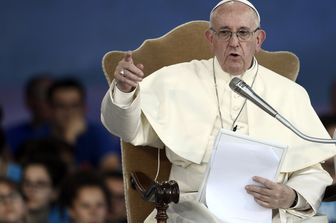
(240, 87)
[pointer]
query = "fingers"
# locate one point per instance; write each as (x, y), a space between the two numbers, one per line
(140, 66)
(262, 195)
(127, 74)
(265, 182)
(128, 57)
(128, 77)
(265, 188)
(127, 64)
(263, 203)
(130, 68)
(270, 194)
(254, 189)
(130, 74)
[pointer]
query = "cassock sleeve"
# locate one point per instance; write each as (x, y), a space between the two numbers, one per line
(122, 116)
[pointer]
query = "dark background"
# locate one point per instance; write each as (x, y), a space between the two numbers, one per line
(71, 36)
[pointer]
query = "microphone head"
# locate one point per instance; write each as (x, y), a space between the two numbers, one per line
(235, 84)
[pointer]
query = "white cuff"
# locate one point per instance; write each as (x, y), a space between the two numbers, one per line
(121, 99)
(301, 203)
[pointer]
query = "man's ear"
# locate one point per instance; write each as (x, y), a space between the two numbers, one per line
(260, 39)
(209, 36)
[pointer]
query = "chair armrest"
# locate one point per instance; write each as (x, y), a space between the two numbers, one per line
(165, 192)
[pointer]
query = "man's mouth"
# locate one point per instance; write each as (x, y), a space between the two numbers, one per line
(234, 54)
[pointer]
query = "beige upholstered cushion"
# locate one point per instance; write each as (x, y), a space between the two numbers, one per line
(184, 43)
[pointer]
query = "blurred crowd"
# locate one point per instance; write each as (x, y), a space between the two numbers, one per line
(58, 166)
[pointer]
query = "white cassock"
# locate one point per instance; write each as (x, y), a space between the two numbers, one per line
(176, 107)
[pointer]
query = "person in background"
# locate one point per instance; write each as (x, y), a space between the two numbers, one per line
(85, 197)
(115, 184)
(48, 148)
(12, 204)
(35, 97)
(7, 167)
(42, 177)
(93, 146)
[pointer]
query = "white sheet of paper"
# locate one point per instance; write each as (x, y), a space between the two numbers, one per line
(235, 160)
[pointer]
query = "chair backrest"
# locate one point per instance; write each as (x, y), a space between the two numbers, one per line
(184, 43)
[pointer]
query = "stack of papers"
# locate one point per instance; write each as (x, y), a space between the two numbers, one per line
(235, 160)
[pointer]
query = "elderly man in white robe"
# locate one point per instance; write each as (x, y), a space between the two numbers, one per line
(182, 108)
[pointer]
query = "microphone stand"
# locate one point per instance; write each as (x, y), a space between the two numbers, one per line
(289, 125)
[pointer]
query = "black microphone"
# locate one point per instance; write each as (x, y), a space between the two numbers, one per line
(240, 87)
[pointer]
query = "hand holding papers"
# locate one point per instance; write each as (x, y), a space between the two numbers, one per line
(235, 160)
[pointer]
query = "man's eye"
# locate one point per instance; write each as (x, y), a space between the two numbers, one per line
(243, 33)
(225, 32)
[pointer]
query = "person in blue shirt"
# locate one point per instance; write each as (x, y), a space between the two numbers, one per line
(94, 147)
(85, 197)
(41, 180)
(36, 127)
(45, 163)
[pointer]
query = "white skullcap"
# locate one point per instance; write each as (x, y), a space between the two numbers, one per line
(242, 1)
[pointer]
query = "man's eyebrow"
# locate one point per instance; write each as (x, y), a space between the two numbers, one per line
(228, 28)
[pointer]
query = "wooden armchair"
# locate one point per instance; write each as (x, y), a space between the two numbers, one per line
(184, 43)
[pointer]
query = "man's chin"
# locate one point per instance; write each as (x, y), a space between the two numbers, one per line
(235, 71)
(233, 67)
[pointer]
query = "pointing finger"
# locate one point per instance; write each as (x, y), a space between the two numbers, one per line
(128, 57)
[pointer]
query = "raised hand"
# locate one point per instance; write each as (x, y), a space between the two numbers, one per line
(127, 74)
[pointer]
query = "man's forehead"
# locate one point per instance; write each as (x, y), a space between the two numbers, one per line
(233, 21)
(249, 4)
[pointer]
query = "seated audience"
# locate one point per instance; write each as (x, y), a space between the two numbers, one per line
(115, 184)
(12, 204)
(36, 103)
(93, 145)
(85, 196)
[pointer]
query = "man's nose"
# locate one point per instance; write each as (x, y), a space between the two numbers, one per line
(234, 41)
